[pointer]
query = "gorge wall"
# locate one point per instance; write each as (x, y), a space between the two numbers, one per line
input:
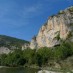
(57, 27)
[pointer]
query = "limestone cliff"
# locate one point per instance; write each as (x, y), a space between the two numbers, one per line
(57, 27)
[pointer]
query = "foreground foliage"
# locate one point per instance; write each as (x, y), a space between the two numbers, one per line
(40, 57)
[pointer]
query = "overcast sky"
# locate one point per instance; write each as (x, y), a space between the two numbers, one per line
(23, 18)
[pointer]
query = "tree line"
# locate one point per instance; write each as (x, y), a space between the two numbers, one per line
(39, 57)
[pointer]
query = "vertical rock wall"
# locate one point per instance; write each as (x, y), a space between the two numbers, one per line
(56, 28)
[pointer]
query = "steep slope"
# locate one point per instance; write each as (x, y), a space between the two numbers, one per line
(58, 27)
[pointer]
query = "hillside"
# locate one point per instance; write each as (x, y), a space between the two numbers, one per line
(9, 42)
(58, 27)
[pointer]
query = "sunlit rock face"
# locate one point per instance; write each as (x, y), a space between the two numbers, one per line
(46, 71)
(4, 50)
(33, 43)
(57, 27)
(25, 46)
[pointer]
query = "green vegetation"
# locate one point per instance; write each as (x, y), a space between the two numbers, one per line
(58, 36)
(71, 9)
(41, 57)
(61, 12)
(71, 24)
(10, 41)
(69, 35)
(52, 16)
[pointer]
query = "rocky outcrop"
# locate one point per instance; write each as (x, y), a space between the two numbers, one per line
(46, 71)
(58, 27)
(33, 43)
(4, 50)
(25, 46)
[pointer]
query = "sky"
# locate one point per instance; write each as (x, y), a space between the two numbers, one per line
(23, 18)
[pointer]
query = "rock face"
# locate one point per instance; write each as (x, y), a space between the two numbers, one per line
(58, 27)
(4, 50)
(33, 43)
(46, 71)
(25, 46)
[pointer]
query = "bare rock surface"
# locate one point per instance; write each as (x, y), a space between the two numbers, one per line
(57, 27)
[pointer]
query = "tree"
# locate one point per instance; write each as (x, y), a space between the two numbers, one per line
(2, 59)
(29, 55)
(43, 55)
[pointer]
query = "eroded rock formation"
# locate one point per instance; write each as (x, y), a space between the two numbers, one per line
(57, 27)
